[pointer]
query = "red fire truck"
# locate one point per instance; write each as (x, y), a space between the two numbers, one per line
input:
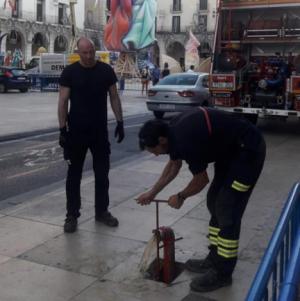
(255, 68)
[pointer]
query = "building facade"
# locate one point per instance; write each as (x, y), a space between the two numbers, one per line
(175, 19)
(28, 25)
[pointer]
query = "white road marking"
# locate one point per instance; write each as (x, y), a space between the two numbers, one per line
(26, 173)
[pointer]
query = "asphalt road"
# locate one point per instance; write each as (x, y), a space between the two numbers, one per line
(33, 162)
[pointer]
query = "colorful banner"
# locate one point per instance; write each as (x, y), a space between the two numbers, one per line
(191, 52)
(241, 3)
(131, 25)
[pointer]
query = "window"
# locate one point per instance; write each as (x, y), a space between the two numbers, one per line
(61, 13)
(15, 10)
(108, 4)
(40, 10)
(176, 5)
(203, 23)
(179, 80)
(176, 24)
(203, 5)
(205, 81)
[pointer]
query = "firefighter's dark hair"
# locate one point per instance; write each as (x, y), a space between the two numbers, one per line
(151, 131)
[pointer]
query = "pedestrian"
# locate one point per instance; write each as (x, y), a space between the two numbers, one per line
(199, 137)
(121, 84)
(145, 78)
(155, 75)
(82, 115)
(191, 69)
(166, 70)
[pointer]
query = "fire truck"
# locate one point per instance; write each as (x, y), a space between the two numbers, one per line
(255, 68)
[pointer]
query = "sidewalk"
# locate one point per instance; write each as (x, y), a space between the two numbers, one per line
(36, 112)
(38, 261)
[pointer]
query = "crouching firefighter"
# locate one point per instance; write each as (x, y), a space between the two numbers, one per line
(237, 149)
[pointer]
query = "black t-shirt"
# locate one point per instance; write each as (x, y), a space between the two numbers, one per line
(89, 88)
(190, 140)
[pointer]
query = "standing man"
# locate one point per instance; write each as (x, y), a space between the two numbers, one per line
(191, 69)
(83, 126)
(166, 70)
(155, 76)
(237, 148)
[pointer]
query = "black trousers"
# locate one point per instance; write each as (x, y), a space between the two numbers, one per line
(227, 199)
(77, 149)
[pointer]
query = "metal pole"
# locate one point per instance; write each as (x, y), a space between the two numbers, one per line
(157, 242)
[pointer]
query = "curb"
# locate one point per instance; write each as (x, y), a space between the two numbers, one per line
(21, 135)
(17, 136)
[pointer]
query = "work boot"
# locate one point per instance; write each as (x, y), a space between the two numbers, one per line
(210, 281)
(199, 265)
(70, 225)
(107, 219)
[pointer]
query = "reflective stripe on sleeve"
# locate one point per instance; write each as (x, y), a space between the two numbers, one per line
(240, 187)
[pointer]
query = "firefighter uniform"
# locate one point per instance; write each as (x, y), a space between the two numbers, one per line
(237, 149)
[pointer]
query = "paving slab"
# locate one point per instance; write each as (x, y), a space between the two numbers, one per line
(50, 210)
(83, 252)
(133, 224)
(27, 281)
(4, 259)
(114, 291)
(20, 235)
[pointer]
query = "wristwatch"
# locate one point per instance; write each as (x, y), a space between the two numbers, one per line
(180, 197)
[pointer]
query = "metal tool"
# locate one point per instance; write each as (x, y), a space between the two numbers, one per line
(166, 235)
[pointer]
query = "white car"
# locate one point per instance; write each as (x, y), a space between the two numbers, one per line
(178, 92)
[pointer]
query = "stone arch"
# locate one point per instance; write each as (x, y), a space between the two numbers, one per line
(15, 46)
(60, 44)
(38, 40)
(177, 51)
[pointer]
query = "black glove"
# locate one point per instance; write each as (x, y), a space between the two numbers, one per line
(63, 137)
(119, 131)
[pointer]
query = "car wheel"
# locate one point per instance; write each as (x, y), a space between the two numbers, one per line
(2, 88)
(23, 90)
(158, 114)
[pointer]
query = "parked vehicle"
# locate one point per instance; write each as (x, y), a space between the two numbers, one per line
(178, 92)
(33, 63)
(256, 62)
(13, 78)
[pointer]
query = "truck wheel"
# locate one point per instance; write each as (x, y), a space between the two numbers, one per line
(2, 88)
(23, 90)
(158, 114)
(251, 117)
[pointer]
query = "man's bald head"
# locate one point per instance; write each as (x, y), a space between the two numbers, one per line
(86, 51)
(83, 41)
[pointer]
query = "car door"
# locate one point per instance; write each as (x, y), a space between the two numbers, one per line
(204, 85)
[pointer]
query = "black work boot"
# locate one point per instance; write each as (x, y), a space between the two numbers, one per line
(199, 265)
(210, 281)
(70, 225)
(107, 219)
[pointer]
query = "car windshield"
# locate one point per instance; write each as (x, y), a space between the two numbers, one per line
(17, 72)
(179, 80)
